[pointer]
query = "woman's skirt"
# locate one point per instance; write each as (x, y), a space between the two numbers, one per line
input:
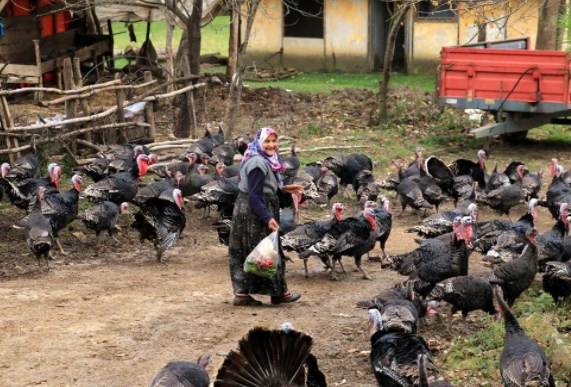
(247, 231)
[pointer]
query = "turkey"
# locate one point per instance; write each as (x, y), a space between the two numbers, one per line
(558, 191)
(26, 166)
(155, 189)
(61, 208)
(193, 183)
(531, 184)
(399, 316)
(96, 170)
(39, 233)
(522, 362)
(441, 222)
(124, 151)
(514, 277)
(506, 197)
(436, 260)
(350, 237)
(161, 220)
(183, 374)
(223, 154)
(497, 179)
(565, 175)
(306, 235)
(23, 192)
(458, 179)
(423, 380)
(394, 355)
(512, 171)
(327, 185)
(126, 164)
(410, 194)
(465, 293)
(271, 358)
(4, 168)
(490, 231)
(292, 165)
(120, 187)
(205, 145)
(557, 280)
(384, 220)
(241, 143)
(103, 216)
(430, 190)
(396, 293)
(119, 159)
(186, 166)
(346, 167)
(365, 186)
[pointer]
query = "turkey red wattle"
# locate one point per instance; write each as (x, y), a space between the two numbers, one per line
(520, 170)
(467, 230)
(563, 212)
(337, 210)
(370, 216)
(177, 195)
(202, 169)
(456, 227)
(191, 157)
(77, 181)
(482, 159)
(55, 176)
(142, 165)
(220, 168)
(553, 167)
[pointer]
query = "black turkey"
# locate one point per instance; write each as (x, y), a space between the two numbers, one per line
(394, 355)
(557, 280)
(223, 154)
(292, 165)
(365, 186)
(504, 198)
(384, 220)
(531, 184)
(522, 362)
(558, 192)
(25, 167)
(306, 235)
(497, 179)
(183, 374)
(515, 277)
(61, 208)
(350, 237)
(39, 233)
(120, 187)
(22, 193)
(161, 220)
(441, 222)
(346, 167)
(411, 195)
(465, 293)
(271, 358)
(154, 189)
(185, 167)
(103, 216)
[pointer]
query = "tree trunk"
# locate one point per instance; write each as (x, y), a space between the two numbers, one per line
(546, 25)
(233, 107)
(169, 52)
(194, 37)
(561, 24)
(234, 41)
(396, 20)
(181, 53)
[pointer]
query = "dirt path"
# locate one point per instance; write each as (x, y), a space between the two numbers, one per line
(115, 321)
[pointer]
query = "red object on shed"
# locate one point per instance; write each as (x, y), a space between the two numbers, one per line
(511, 80)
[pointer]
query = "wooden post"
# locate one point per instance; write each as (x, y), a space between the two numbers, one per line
(234, 40)
(111, 63)
(170, 56)
(95, 63)
(8, 124)
(68, 84)
(149, 110)
(190, 100)
(78, 84)
(120, 99)
(39, 95)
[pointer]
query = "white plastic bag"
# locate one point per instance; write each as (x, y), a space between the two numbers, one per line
(264, 260)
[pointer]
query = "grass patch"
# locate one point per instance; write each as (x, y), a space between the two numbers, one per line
(475, 357)
(329, 82)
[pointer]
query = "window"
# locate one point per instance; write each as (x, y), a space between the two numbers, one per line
(303, 18)
(437, 9)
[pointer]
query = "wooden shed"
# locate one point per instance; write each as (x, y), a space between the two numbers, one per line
(38, 34)
(350, 35)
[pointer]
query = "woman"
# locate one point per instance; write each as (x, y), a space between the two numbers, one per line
(256, 214)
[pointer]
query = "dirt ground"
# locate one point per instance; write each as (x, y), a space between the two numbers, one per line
(115, 320)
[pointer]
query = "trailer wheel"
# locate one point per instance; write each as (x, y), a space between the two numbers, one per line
(515, 138)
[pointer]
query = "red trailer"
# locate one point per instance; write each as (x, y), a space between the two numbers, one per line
(523, 88)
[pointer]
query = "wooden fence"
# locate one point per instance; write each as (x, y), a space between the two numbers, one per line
(75, 97)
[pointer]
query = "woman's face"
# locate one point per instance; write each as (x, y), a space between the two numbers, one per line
(270, 145)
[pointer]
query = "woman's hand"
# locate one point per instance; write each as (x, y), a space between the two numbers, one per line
(273, 225)
(294, 189)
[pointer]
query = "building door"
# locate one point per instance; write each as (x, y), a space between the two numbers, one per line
(381, 12)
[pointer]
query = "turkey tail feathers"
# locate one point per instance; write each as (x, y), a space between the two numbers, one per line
(266, 358)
